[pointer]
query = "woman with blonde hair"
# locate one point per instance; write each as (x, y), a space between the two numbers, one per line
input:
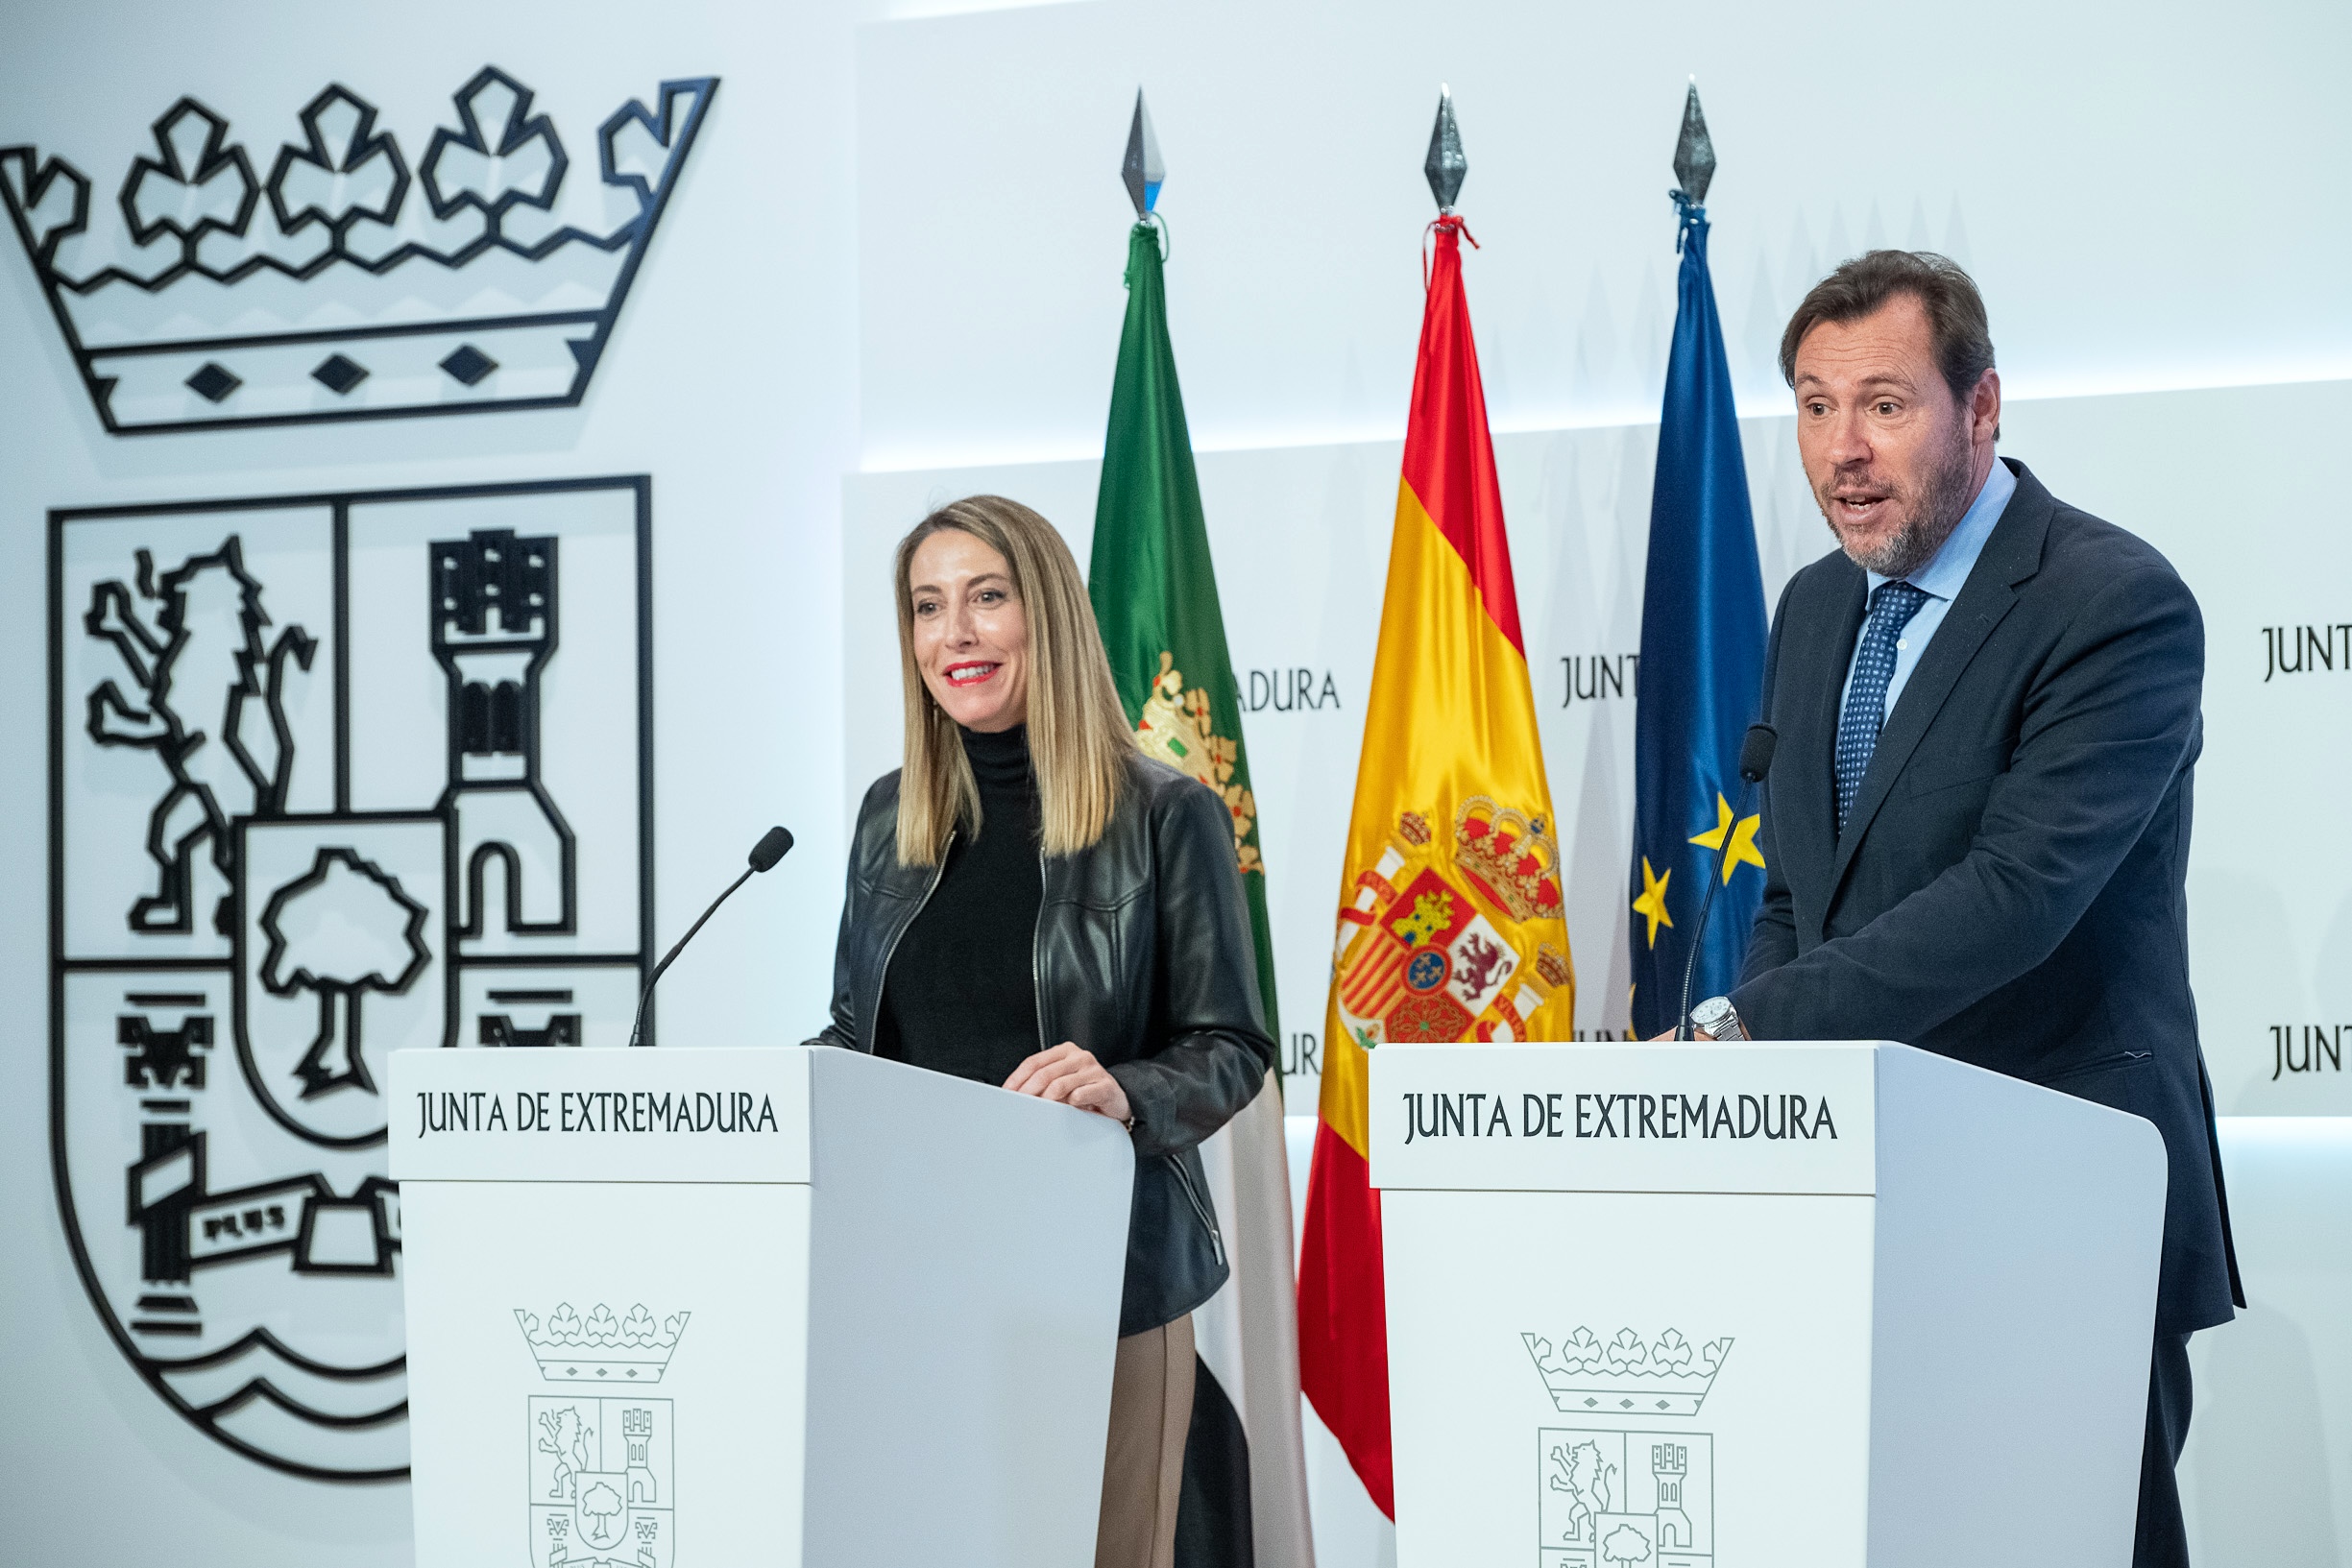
(1034, 904)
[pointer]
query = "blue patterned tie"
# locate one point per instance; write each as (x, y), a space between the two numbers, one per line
(1892, 605)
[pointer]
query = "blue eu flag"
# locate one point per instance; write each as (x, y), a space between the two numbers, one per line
(1702, 670)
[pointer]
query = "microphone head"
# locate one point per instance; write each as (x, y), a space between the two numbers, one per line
(773, 846)
(1756, 752)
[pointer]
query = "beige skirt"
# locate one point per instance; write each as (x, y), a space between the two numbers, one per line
(1143, 1464)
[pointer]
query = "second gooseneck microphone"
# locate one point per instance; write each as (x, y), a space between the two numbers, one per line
(773, 846)
(1755, 761)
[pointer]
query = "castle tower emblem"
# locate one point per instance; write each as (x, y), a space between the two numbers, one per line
(493, 631)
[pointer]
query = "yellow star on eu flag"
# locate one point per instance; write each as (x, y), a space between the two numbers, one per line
(1743, 849)
(1653, 900)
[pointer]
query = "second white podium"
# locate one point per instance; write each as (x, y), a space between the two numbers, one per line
(1801, 1306)
(752, 1307)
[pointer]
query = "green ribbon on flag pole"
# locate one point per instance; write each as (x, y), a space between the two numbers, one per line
(1155, 588)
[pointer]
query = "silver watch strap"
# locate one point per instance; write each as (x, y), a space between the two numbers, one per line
(1718, 1018)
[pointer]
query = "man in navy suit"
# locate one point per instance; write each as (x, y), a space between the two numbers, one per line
(1975, 829)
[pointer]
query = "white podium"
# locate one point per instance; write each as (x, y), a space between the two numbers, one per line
(1752, 1306)
(775, 1307)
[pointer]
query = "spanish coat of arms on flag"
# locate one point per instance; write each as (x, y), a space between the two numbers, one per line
(1419, 957)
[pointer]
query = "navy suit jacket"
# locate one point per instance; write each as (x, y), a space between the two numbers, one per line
(2009, 888)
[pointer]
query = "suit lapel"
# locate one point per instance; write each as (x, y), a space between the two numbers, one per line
(1805, 780)
(2011, 556)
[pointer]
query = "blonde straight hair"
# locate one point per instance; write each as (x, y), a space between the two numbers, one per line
(1078, 738)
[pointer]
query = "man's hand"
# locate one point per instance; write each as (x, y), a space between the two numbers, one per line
(1695, 1035)
(1074, 1078)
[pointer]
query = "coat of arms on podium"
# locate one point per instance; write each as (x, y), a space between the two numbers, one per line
(1626, 1499)
(1608, 1498)
(333, 775)
(602, 1477)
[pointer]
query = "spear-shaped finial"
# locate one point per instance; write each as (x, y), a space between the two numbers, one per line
(1445, 165)
(1694, 151)
(1142, 169)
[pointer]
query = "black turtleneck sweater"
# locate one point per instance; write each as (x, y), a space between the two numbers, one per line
(960, 995)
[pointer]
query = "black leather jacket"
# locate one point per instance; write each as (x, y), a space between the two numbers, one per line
(1143, 956)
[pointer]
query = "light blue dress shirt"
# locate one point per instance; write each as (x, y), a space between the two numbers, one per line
(1941, 580)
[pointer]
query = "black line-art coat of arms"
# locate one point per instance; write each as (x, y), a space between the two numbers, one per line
(331, 776)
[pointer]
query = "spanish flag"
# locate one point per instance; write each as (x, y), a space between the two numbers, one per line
(1450, 924)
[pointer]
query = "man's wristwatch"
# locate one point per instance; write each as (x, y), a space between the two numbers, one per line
(1715, 1016)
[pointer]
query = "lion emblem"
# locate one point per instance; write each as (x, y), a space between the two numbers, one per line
(212, 708)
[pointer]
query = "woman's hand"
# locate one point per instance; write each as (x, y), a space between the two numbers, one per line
(1074, 1078)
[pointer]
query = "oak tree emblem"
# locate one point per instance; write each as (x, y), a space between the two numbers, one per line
(343, 929)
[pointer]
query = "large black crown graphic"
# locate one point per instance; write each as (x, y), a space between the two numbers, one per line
(346, 282)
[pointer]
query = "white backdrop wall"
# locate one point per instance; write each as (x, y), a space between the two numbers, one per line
(2138, 187)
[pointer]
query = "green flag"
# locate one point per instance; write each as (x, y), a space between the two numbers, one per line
(1155, 588)
(1243, 1495)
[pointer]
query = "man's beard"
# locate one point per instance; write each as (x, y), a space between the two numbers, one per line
(1943, 501)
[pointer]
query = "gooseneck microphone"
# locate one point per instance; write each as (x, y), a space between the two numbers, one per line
(1755, 761)
(773, 846)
